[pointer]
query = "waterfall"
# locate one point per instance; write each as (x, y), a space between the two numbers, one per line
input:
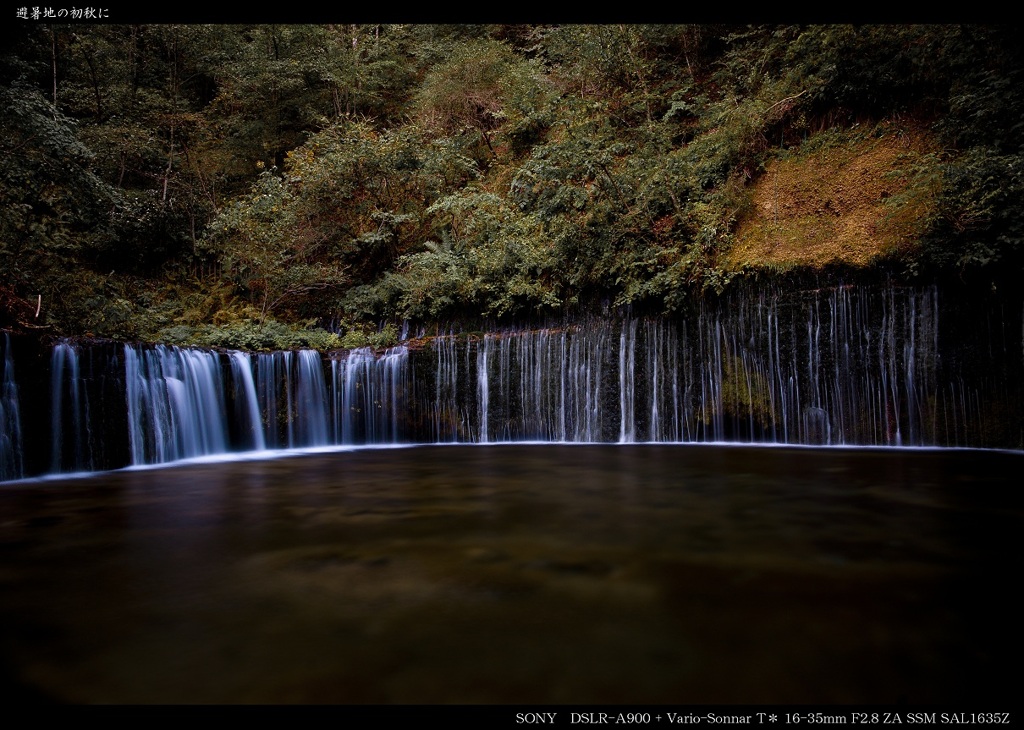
(627, 390)
(270, 380)
(310, 415)
(394, 366)
(369, 395)
(483, 387)
(845, 365)
(11, 466)
(528, 385)
(662, 374)
(581, 402)
(353, 380)
(247, 409)
(447, 422)
(175, 400)
(838, 366)
(69, 412)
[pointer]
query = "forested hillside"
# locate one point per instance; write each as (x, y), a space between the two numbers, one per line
(271, 186)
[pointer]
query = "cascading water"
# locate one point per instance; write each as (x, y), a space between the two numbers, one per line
(627, 386)
(310, 417)
(69, 410)
(448, 423)
(351, 386)
(11, 466)
(394, 368)
(531, 385)
(840, 366)
(175, 400)
(273, 387)
(483, 385)
(835, 367)
(662, 374)
(247, 408)
(369, 395)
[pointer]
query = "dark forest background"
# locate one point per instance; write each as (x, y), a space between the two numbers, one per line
(268, 186)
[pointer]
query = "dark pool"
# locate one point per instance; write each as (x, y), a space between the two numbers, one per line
(520, 574)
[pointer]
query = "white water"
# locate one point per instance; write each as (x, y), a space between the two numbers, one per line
(10, 418)
(248, 410)
(69, 412)
(844, 366)
(175, 402)
(368, 395)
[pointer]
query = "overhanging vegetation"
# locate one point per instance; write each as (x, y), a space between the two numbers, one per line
(277, 186)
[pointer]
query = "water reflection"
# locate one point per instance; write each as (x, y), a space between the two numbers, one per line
(510, 573)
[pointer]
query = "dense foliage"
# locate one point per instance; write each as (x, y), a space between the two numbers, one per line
(272, 186)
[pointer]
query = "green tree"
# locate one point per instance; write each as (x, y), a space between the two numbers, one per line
(487, 95)
(56, 210)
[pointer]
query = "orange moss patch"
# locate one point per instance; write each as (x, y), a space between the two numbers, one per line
(848, 198)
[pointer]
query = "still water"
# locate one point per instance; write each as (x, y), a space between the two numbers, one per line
(519, 573)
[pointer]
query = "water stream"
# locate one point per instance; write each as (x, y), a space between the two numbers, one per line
(864, 366)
